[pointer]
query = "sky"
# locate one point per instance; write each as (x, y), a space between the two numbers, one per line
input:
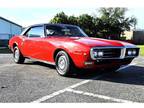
(28, 12)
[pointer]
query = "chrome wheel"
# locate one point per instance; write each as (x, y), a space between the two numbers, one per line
(16, 55)
(62, 62)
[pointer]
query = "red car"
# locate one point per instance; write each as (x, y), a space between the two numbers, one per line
(68, 48)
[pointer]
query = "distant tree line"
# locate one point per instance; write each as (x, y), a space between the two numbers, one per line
(110, 23)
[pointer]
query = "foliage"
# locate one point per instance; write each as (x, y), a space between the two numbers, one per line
(60, 18)
(110, 23)
(87, 23)
(113, 21)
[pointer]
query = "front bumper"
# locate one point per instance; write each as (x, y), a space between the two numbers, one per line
(107, 63)
(119, 56)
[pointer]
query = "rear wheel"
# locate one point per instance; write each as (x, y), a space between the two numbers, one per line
(18, 57)
(64, 65)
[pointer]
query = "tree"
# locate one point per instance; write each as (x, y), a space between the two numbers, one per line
(114, 22)
(110, 24)
(73, 20)
(60, 18)
(86, 22)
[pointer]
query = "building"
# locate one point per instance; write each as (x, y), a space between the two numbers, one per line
(128, 35)
(137, 36)
(7, 30)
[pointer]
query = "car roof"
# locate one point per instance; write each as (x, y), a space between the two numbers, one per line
(61, 25)
(58, 24)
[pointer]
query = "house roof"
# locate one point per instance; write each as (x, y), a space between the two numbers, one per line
(10, 21)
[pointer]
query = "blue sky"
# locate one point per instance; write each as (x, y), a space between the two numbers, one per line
(28, 16)
(28, 12)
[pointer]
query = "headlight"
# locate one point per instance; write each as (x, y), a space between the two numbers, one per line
(97, 54)
(130, 53)
(100, 54)
(134, 52)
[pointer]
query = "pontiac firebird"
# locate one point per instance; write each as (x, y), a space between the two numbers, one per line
(69, 48)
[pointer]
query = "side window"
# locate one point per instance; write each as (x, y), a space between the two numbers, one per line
(36, 32)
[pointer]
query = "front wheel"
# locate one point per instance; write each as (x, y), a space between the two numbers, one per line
(64, 65)
(18, 57)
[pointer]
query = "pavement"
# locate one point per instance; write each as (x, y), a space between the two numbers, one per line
(36, 82)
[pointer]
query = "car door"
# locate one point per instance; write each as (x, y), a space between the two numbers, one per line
(32, 42)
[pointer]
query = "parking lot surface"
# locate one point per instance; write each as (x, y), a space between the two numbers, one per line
(38, 82)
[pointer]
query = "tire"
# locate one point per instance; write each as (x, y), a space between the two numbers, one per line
(17, 55)
(64, 65)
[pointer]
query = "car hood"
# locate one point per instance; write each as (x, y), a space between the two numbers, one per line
(92, 42)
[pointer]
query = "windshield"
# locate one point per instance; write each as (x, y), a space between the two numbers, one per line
(72, 31)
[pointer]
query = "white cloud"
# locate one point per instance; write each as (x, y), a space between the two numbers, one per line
(69, 3)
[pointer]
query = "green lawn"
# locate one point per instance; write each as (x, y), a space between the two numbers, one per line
(141, 49)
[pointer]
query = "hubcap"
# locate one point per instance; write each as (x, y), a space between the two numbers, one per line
(16, 54)
(62, 62)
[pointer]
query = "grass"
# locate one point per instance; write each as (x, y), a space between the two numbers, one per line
(4, 50)
(141, 49)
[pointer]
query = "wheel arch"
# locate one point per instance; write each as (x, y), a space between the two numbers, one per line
(60, 49)
(56, 51)
(14, 45)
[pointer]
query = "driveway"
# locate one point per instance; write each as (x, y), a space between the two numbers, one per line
(38, 82)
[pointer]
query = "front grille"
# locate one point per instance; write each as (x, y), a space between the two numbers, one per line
(110, 52)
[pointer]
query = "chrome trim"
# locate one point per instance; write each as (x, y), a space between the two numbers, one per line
(51, 63)
(106, 47)
(88, 63)
(123, 52)
(122, 55)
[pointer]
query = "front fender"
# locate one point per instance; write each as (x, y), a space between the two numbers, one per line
(78, 53)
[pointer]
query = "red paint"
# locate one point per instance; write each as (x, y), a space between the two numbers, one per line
(45, 48)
